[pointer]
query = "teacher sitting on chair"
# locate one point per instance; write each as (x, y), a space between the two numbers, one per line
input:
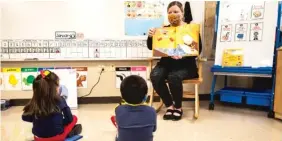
(174, 69)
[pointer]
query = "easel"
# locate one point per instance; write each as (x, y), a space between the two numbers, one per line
(266, 72)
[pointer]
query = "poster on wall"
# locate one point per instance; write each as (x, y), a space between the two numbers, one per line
(241, 32)
(256, 31)
(12, 78)
(81, 77)
(226, 33)
(140, 16)
(28, 75)
(257, 11)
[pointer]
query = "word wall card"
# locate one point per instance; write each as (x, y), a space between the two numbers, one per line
(4, 49)
(76, 49)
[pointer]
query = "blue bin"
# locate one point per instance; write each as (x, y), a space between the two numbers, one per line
(259, 98)
(233, 95)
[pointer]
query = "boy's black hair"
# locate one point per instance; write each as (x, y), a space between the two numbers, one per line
(133, 89)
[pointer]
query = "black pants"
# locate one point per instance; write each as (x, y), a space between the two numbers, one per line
(174, 77)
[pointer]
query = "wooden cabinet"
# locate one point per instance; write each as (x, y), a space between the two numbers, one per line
(278, 86)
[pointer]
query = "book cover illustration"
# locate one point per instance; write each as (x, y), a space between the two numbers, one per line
(233, 57)
(177, 41)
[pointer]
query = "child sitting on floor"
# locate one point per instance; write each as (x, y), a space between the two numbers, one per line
(51, 116)
(63, 91)
(135, 120)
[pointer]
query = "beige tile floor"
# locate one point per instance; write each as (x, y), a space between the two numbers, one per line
(222, 124)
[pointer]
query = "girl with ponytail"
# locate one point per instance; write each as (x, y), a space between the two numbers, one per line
(51, 116)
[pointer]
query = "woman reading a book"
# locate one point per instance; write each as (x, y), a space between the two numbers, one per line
(174, 69)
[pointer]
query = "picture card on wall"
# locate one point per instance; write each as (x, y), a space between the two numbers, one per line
(257, 10)
(121, 73)
(226, 33)
(142, 72)
(241, 32)
(28, 76)
(81, 76)
(256, 31)
(12, 78)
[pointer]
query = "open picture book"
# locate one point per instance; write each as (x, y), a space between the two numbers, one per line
(176, 41)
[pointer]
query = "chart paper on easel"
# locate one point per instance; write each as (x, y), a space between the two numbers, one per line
(250, 26)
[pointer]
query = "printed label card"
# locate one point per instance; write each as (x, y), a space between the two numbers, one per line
(241, 32)
(256, 31)
(28, 76)
(140, 71)
(49, 68)
(226, 33)
(81, 76)
(12, 78)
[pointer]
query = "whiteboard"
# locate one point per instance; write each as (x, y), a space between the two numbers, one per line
(96, 19)
(257, 53)
(68, 79)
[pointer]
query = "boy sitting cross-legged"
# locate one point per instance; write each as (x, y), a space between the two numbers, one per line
(135, 120)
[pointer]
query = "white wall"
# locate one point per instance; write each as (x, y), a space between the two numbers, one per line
(1, 19)
(96, 19)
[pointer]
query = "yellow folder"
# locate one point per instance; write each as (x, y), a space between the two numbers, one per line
(233, 57)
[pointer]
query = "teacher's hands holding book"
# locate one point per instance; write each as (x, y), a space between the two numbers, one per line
(176, 57)
(152, 32)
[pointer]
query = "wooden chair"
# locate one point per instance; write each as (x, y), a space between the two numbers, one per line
(186, 94)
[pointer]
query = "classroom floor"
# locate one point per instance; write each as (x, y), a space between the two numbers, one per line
(223, 124)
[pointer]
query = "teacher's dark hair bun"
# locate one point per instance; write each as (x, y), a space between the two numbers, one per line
(187, 13)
